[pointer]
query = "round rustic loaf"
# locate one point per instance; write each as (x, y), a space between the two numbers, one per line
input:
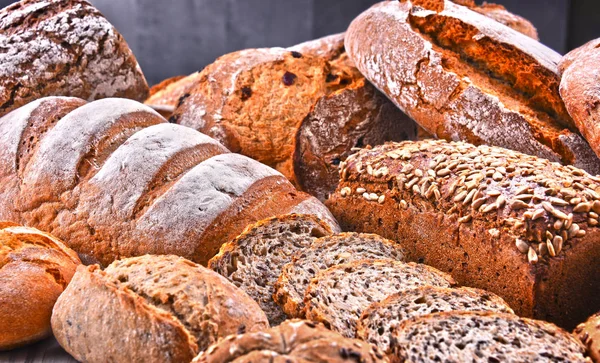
(589, 334)
(63, 48)
(35, 268)
(113, 179)
(150, 309)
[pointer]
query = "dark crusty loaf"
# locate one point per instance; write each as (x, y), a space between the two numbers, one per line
(63, 48)
(589, 334)
(323, 253)
(150, 309)
(381, 318)
(338, 295)
(112, 179)
(300, 113)
(482, 337)
(513, 224)
(463, 76)
(35, 268)
(254, 259)
(292, 341)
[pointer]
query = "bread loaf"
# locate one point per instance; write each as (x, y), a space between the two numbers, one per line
(164, 97)
(463, 76)
(63, 48)
(589, 334)
(253, 260)
(513, 224)
(113, 179)
(150, 309)
(35, 268)
(300, 113)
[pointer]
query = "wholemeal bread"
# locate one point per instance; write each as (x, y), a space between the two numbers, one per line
(253, 260)
(338, 295)
(381, 318)
(112, 179)
(63, 48)
(589, 334)
(482, 337)
(292, 341)
(165, 96)
(513, 224)
(463, 76)
(299, 110)
(323, 253)
(35, 268)
(150, 309)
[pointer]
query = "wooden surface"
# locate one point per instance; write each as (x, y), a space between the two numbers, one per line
(47, 351)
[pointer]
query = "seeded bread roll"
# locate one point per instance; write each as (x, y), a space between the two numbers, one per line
(463, 76)
(253, 260)
(150, 309)
(300, 113)
(483, 337)
(63, 48)
(519, 226)
(292, 341)
(35, 268)
(381, 318)
(589, 334)
(338, 295)
(164, 97)
(323, 253)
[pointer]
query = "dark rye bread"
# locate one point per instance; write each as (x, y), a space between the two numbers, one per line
(63, 48)
(381, 318)
(150, 309)
(513, 224)
(589, 334)
(112, 179)
(323, 253)
(254, 259)
(292, 341)
(484, 337)
(338, 295)
(463, 76)
(299, 110)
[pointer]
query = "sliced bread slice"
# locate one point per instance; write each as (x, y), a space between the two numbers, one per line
(323, 253)
(338, 295)
(254, 259)
(377, 322)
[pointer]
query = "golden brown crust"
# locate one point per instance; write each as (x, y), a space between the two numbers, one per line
(501, 15)
(588, 333)
(165, 96)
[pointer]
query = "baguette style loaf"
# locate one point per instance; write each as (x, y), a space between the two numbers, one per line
(63, 48)
(513, 224)
(113, 179)
(465, 77)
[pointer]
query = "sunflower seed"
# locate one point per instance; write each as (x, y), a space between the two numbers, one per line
(345, 191)
(558, 224)
(532, 256)
(557, 243)
(418, 172)
(478, 202)
(443, 172)
(523, 196)
(550, 247)
(465, 219)
(500, 201)
(592, 222)
(558, 201)
(593, 215)
(403, 204)
(538, 213)
(581, 233)
(517, 204)
(542, 249)
(460, 196)
(596, 206)
(381, 199)
(360, 190)
(489, 208)
(522, 246)
(582, 207)
(573, 230)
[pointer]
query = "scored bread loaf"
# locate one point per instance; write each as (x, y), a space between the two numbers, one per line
(253, 260)
(378, 321)
(63, 48)
(338, 295)
(482, 337)
(113, 179)
(292, 341)
(150, 309)
(300, 113)
(463, 76)
(325, 252)
(589, 334)
(35, 268)
(513, 224)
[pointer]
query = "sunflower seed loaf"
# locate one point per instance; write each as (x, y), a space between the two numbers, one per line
(517, 225)
(589, 334)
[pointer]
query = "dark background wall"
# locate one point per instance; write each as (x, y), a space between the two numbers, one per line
(172, 37)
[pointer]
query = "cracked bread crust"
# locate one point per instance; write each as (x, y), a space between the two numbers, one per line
(463, 76)
(589, 334)
(35, 268)
(63, 48)
(161, 309)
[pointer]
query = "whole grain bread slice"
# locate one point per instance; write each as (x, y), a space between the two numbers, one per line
(338, 295)
(323, 253)
(483, 337)
(377, 322)
(253, 260)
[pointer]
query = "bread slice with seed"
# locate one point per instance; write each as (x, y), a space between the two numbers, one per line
(338, 295)
(483, 337)
(326, 252)
(253, 260)
(377, 322)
